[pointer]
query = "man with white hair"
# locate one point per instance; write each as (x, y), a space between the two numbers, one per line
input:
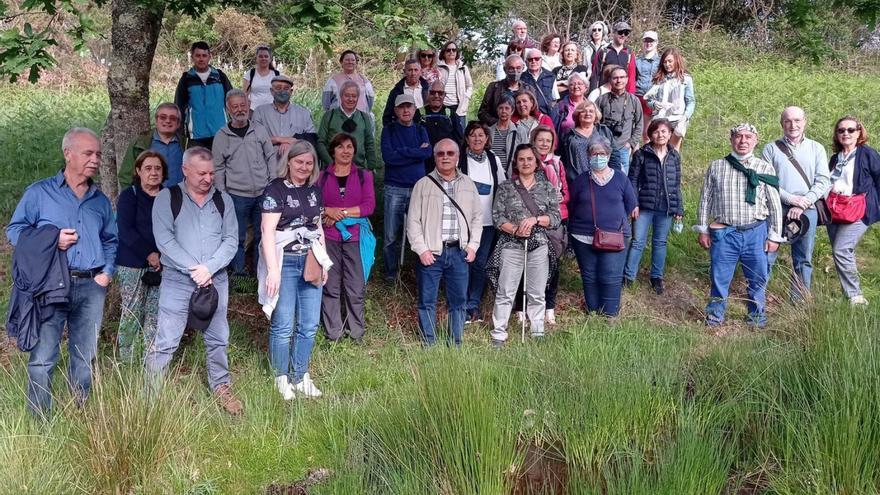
(542, 81)
(81, 218)
(521, 34)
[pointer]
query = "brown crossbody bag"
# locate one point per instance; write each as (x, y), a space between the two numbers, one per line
(605, 240)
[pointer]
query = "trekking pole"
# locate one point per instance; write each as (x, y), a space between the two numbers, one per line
(402, 246)
(525, 290)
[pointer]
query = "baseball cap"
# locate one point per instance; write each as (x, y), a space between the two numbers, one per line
(202, 305)
(404, 98)
(650, 35)
(795, 228)
(622, 26)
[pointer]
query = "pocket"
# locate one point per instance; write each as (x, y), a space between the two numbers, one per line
(483, 189)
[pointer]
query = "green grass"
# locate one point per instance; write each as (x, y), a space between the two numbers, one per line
(651, 403)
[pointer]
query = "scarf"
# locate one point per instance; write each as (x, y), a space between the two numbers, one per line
(754, 178)
(477, 157)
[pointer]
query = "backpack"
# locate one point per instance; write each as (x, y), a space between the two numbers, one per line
(177, 201)
(254, 71)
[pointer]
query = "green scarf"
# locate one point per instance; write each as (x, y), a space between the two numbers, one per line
(754, 178)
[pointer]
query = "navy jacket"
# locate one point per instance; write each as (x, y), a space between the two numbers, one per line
(403, 153)
(41, 280)
(134, 219)
(388, 115)
(866, 179)
(543, 89)
(439, 127)
(614, 202)
(650, 179)
(203, 104)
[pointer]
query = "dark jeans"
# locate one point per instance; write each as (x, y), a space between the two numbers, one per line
(347, 276)
(396, 202)
(451, 266)
(602, 277)
(247, 210)
(477, 277)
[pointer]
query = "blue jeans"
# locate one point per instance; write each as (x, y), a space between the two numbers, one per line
(458, 121)
(247, 210)
(602, 277)
(83, 316)
(451, 266)
(619, 159)
(730, 246)
(477, 276)
(801, 258)
(396, 201)
(661, 223)
(299, 306)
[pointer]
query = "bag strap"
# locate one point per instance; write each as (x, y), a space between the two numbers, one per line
(455, 204)
(784, 148)
(527, 199)
(177, 201)
(593, 204)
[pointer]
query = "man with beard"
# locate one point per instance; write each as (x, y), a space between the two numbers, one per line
(285, 121)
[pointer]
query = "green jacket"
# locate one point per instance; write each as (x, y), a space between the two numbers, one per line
(140, 144)
(331, 124)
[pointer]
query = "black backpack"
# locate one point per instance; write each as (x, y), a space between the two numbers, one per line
(177, 201)
(254, 71)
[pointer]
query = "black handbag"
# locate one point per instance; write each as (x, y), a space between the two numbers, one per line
(151, 278)
(823, 212)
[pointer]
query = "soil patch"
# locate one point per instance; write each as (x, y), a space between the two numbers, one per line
(543, 471)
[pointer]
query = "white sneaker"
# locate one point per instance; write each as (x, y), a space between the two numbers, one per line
(284, 388)
(520, 316)
(550, 317)
(307, 387)
(858, 300)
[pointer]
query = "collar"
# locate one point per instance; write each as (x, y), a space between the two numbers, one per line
(275, 107)
(794, 145)
(60, 181)
(157, 137)
(440, 177)
(742, 158)
(211, 71)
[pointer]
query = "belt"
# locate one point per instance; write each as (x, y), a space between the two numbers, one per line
(749, 226)
(85, 273)
(451, 244)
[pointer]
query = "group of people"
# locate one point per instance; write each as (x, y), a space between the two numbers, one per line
(546, 169)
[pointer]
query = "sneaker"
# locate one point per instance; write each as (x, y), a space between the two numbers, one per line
(284, 387)
(307, 387)
(498, 344)
(520, 316)
(227, 399)
(550, 317)
(657, 285)
(858, 300)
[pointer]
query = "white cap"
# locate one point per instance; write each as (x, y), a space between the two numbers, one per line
(650, 35)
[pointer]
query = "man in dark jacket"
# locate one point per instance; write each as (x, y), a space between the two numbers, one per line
(496, 90)
(544, 82)
(200, 95)
(437, 121)
(411, 84)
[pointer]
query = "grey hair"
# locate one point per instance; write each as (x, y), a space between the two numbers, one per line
(577, 75)
(235, 92)
(350, 84)
(301, 147)
(73, 132)
(517, 22)
(411, 61)
(170, 106)
(530, 51)
(600, 144)
(513, 58)
(198, 153)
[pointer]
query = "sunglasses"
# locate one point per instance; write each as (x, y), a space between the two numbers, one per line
(847, 130)
(441, 154)
(438, 93)
(534, 59)
(624, 33)
(597, 30)
(426, 55)
(453, 50)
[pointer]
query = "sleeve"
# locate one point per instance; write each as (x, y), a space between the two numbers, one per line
(630, 202)
(370, 143)
(651, 95)
(821, 176)
(368, 195)
(677, 185)
(499, 210)
(485, 113)
(163, 231)
(26, 215)
(227, 86)
(126, 223)
(774, 206)
(388, 113)
(414, 231)
(137, 146)
(217, 147)
(398, 156)
(369, 93)
(476, 221)
(246, 77)
(269, 154)
(638, 122)
(109, 238)
(552, 202)
(631, 73)
(690, 101)
(271, 202)
(635, 168)
(705, 208)
(258, 117)
(768, 154)
(229, 240)
(328, 97)
(563, 184)
(324, 138)
(468, 83)
(181, 98)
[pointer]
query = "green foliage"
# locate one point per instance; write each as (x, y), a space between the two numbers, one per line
(25, 50)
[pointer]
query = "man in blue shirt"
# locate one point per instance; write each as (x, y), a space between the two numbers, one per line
(84, 215)
(165, 139)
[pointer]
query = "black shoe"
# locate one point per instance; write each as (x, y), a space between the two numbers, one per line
(657, 285)
(627, 283)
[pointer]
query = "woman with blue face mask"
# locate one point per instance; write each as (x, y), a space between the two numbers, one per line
(599, 235)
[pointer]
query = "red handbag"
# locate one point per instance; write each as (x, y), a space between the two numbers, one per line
(605, 240)
(846, 209)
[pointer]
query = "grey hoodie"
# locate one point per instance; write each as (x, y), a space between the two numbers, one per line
(244, 166)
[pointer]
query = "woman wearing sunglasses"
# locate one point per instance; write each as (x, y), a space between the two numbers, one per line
(349, 120)
(428, 62)
(459, 86)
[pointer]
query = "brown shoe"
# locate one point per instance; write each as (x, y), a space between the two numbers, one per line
(227, 399)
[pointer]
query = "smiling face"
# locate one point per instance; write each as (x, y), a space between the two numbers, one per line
(621, 36)
(524, 105)
(446, 157)
(794, 122)
(618, 81)
(150, 173)
(596, 34)
(349, 99)
(426, 58)
(83, 157)
(544, 142)
(477, 139)
(238, 109)
(299, 168)
(576, 88)
(555, 43)
(569, 54)
(343, 153)
(167, 121)
(526, 163)
(264, 58)
(349, 63)
(450, 53)
(649, 44)
(847, 133)
(435, 96)
(588, 116)
(744, 142)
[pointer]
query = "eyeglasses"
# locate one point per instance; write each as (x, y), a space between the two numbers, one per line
(426, 55)
(534, 59)
(624, 33)
(847, 130)
(441, 154)
(453, 50)
(170, 118)
(597, 30)
(438, 93)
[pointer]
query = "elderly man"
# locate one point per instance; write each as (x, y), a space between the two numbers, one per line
(739, 221)
(617, 53)
(542, 80)
(200, 95)
(244, 164)
(195, 229)
(444, 225)
(497, 90)
(438, 120)
(80, 218)
(802, 167)
(165, 139)
(411, 84)
(405, 147)
(521, 34)
(622, 113)
(285, 121)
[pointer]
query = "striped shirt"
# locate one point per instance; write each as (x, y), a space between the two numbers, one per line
(449, 223)
(499, 145)
(723, 198)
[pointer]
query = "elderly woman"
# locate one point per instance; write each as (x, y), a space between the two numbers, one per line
(348, 119)
(575, 147)
(854, 200)
(672, 95)
(570, 62)
(527, 113)
(258, 80)
(515, 47)
(138, 266)
(598, 39)
(550, 45)
(564, 119)
(523, 209)
(457, 83)
(349, 200)
(601, 258)
(291, 226)
(655, 173)
(427, 58)
(505, 135)
(482, 166)
(366, 96)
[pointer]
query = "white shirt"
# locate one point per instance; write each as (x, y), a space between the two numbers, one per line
(258, 91)
(204, 75)
(550, 62)
(416, 92)
(844, 184)
(479, 172)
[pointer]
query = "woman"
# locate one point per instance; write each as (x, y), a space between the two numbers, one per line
(428, 62)
(672, 95)
(367, 95)
(513, 48)
(349, 200)
(506, 134)
(550, 45)
(291, 227)
(522, 242)
(575, 147)
(457, 83)
(480, 164)
(855, 180)
(601, 269)
(348, 119)
(598, 40)
(606, 87)
(138, 265)
(527, 113)
(655, 173)
(258, 80)
(570, 62)
(564, 118)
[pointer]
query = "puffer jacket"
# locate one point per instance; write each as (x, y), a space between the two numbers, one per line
(650, 178)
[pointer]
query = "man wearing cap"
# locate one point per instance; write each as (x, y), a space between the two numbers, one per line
(286, 122)
(444, 226)
(646, 66)
(196, 231)
(244, 163)
(622, 113)
(410, 84)
(405, 147)
(802, 167)
(521, 34)
(739, 221)
(617, 53)
(543, 81)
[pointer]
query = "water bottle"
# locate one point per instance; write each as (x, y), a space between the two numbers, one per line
(678, 227)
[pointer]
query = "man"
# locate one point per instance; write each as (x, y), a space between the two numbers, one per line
(444, 225)
(739, 220)
(87, 234)
(285, 122)
(200, 96)
(411, 84)
(622, 113)
(165, 139)
(437, 120)
(802, 167)
(196, 235)
(617, 53)
(542, 80)
(405, 147)
(244, 163)
(497, 90)
(521, 34)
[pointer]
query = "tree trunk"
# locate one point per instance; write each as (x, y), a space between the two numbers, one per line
(134, 34)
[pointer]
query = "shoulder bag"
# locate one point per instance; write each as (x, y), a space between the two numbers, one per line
(822, 211)
(605, 240)
(558, 237)
(466, 224)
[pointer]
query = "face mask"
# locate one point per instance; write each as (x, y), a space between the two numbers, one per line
(281, 97)
(599, 162)
(513, 76)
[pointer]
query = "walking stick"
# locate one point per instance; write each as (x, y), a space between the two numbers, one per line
(525, 289)
(402, 245)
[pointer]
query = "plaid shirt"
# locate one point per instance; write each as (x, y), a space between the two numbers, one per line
(724, 193)
(449, 223)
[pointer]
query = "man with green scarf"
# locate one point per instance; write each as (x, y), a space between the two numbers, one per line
(739, 221)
